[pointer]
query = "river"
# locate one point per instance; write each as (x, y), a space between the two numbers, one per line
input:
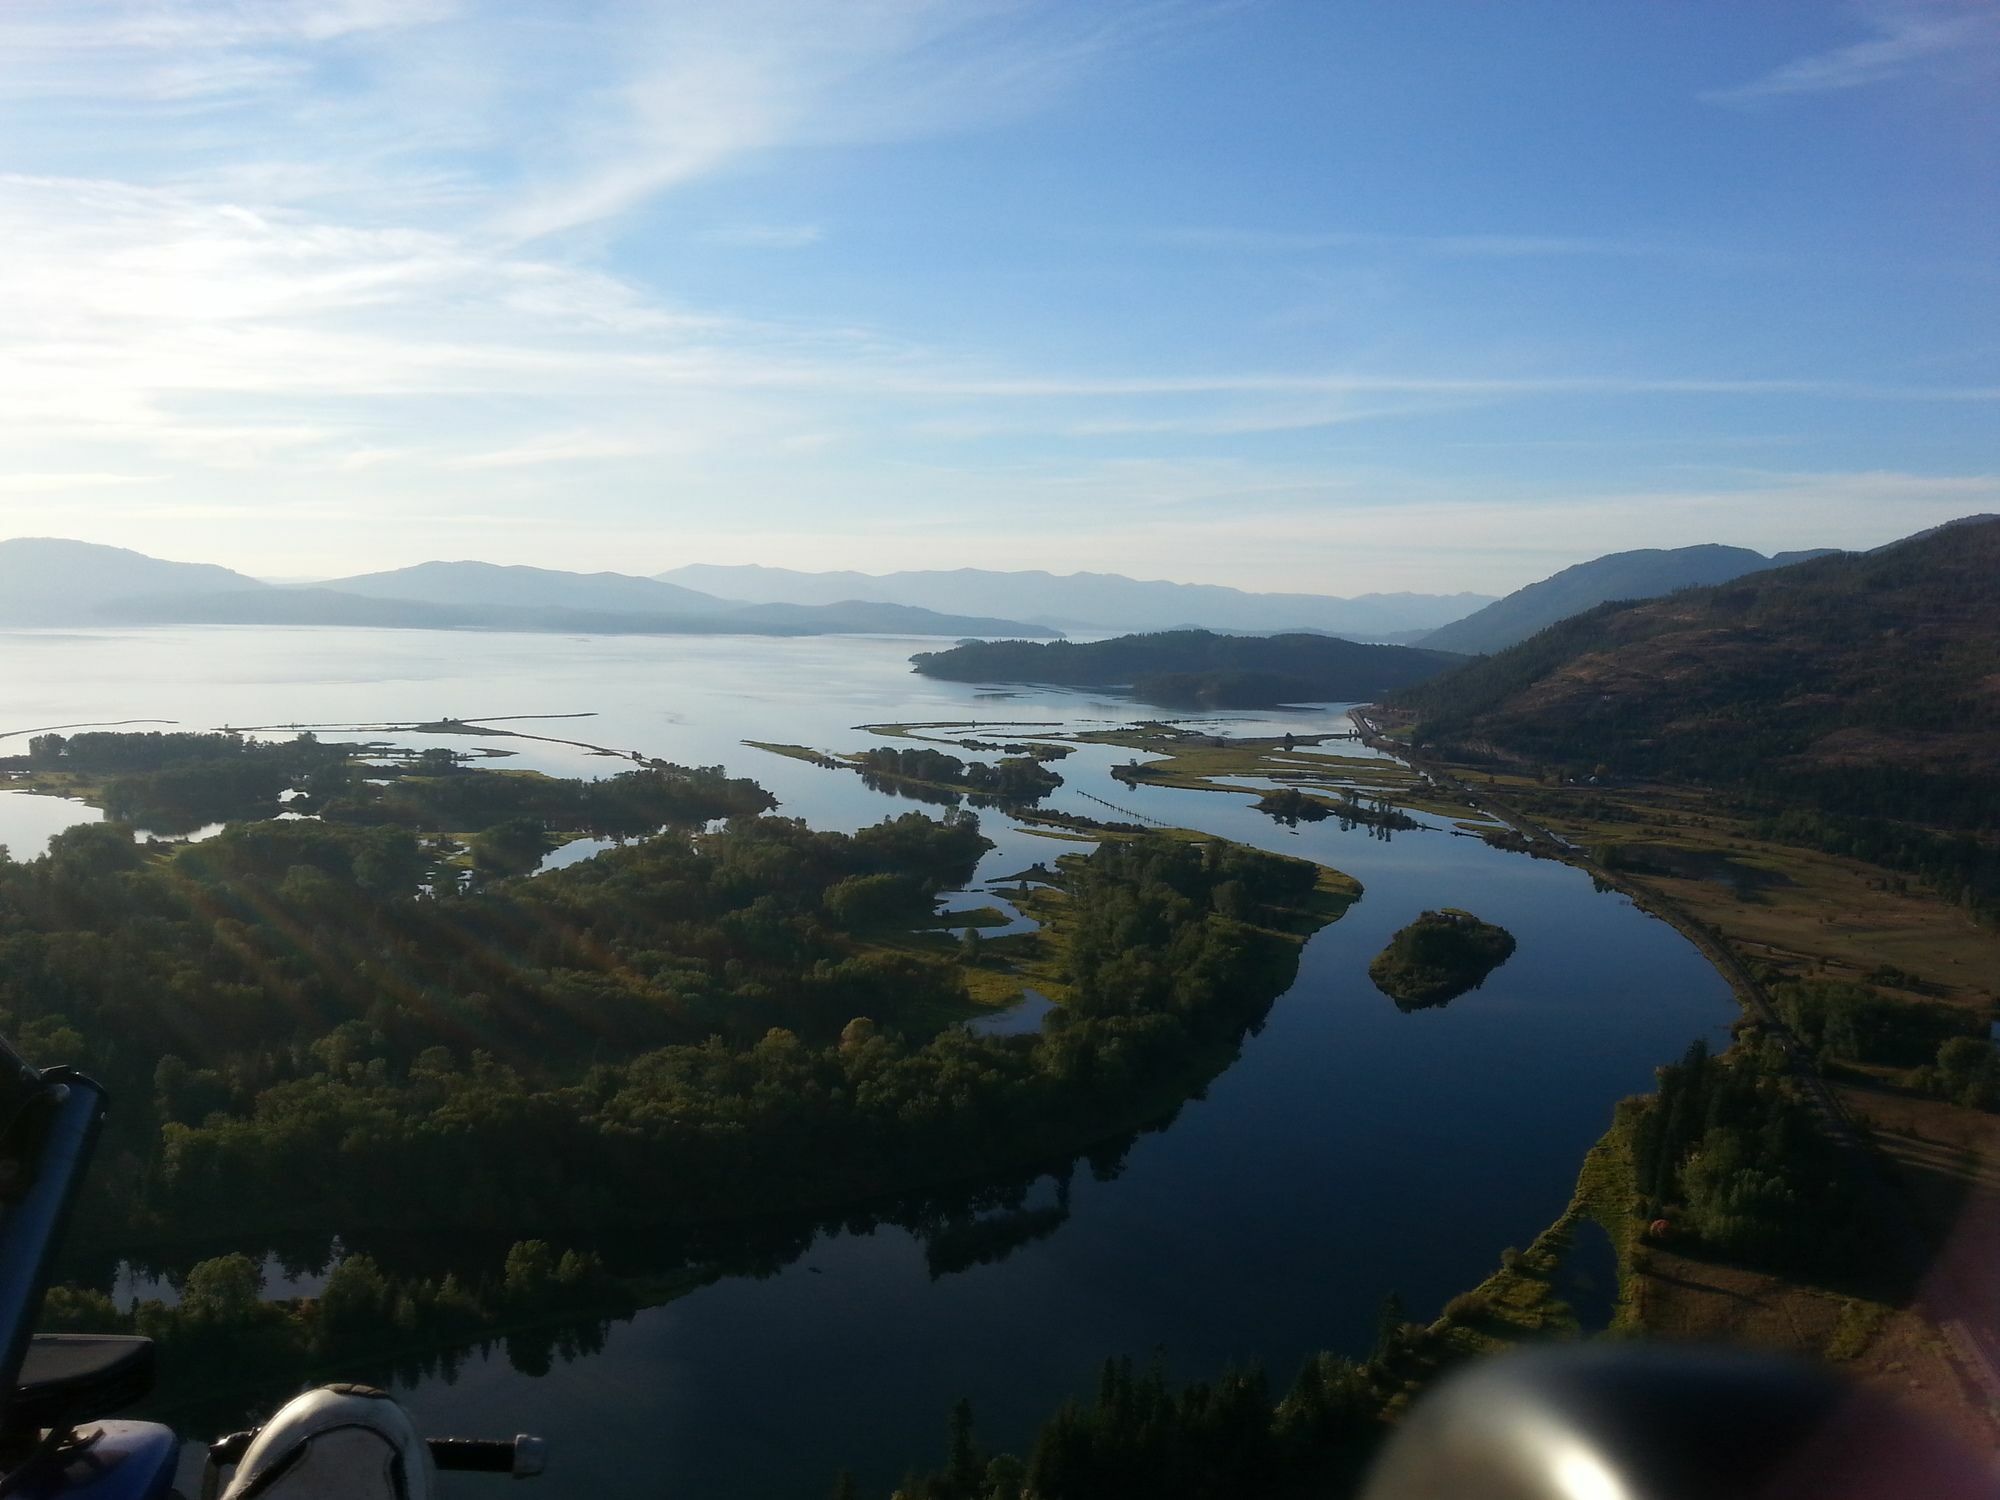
(1352, 1150)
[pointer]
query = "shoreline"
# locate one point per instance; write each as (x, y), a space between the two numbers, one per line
(1972, 1366)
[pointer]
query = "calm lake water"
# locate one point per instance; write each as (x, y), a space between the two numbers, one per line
(1352, 1149)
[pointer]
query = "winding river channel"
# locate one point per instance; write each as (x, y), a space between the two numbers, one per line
(1351, 1150)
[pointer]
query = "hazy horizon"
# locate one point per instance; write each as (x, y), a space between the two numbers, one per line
(303, 580)
(1430, 298)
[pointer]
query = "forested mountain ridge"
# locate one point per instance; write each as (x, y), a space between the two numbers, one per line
(1645, 573)
(1858, 683)
(1196, 668)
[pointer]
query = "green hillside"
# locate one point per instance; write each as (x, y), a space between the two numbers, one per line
(1644, 574)
(1864, 685)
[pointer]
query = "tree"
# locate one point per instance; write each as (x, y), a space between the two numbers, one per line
(1388, 1328)
(964, 1450)
(531, 1267)
(1968, 1070)
(356, 1301)
(90, 850)
(227, 1291)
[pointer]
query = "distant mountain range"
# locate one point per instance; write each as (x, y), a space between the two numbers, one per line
(1860, 683)
(490, 586)
(49, 582)
(1088, 601)
(46, 581)
(1644, 574)
(1198, 668)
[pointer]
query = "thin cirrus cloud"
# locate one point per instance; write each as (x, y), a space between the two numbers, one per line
(558, 448)
(151, 317)
(1295, 242)
(181, 51)
(443, 251)
(723, 81)
(1908, 38)
(765, 236)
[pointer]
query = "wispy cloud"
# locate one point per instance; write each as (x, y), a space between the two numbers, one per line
(766, 236)
(715, 81)
(557, 448)
(156, 322)
(29, 483)
(425, 261)
(182, 51)
(1907, 38)
(1495, 246)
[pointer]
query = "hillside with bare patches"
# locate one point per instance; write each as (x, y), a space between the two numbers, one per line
(1864, 684)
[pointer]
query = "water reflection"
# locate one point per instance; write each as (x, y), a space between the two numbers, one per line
(1348, 1150)
(1023, 1018)
(28, 820)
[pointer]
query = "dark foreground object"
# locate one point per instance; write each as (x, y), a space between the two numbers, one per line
(56, 1389)
(1649, 1423)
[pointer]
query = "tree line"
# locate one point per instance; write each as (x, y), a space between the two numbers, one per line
(310, 1031)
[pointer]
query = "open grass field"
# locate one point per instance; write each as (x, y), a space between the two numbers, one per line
(1785, 912)
(1795, 910)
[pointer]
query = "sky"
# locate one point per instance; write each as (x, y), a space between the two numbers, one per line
(1310, 295)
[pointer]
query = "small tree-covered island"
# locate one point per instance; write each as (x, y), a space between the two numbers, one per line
(1439, 957)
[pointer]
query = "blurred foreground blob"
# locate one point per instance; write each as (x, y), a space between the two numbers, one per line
(1643, 1422)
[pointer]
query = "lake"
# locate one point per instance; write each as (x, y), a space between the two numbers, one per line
(1352, 1150)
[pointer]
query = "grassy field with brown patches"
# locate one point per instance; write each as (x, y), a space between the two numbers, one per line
(1944, 1156)
(1946, 1162)
(1667, 1293)
(805, 753)
(1799, 911)
(1895, 1349)
(1201, 762)
(1786, 912)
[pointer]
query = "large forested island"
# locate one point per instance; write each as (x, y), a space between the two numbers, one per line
(357, 1018)
(1198, 668)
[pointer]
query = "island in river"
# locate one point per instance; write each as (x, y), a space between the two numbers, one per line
(1439, 957)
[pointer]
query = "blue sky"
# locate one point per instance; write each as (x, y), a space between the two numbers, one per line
(1314, 295)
